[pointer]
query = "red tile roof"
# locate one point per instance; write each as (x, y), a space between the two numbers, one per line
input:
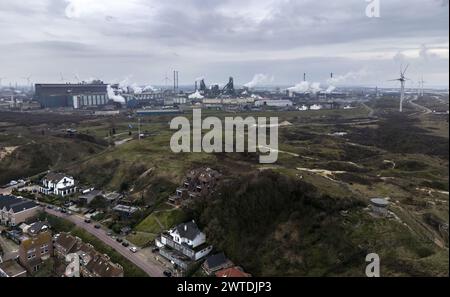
(232, 272)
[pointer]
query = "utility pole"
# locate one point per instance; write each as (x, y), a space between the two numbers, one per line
(139, 128)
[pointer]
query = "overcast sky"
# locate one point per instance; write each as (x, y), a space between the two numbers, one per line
(146, 39)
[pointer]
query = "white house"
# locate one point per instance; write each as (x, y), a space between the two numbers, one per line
(57, 184)
(183, 244)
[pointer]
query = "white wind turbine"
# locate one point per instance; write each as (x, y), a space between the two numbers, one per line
(28, 79)
(402, 81)
(421, 85)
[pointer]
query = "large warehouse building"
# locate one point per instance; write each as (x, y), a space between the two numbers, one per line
(62, 95)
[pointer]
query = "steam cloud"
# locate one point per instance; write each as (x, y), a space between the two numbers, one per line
(196, 95)
(259, 79)
(112, 95)
(348, 77)
(306, 87)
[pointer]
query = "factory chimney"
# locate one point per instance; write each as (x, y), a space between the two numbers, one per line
(174, 81)
(304, 76)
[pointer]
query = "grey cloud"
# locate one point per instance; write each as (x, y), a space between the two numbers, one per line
(150, 37)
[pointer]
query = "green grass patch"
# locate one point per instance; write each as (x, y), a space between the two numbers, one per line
(141, 239)
(167, 218)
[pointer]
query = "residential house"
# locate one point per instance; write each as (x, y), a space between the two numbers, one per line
(113, 197)
(125, 211)
(232, 272)
(34, 228)
(89, 196)
(91, 263)
(35, 247)
(11, 268)
(57, 184)
(15, 210)
(63, 244)
(183, 245)
(215, 263)
(198, 183)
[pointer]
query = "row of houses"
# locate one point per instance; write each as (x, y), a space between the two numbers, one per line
(82, 259)
(36, 246)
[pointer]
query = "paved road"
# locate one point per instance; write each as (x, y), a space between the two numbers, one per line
(424, 109)
(370, 109)
(152, 269)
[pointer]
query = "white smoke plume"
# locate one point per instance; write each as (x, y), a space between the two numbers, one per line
(196, 95)
(351, 76)
(112, 95)
(124, 84)
(135, 89)
(256, 96)
(259, 79)
(315, 88)
(330, 89)
(306, 87)
(302, 87)
(149, 88)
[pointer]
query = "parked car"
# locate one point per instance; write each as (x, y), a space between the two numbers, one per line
(49, 206)
(167, 273)
(109, 233)
(118, 239)
(155, 250)
(125, 244)
(97, 226)
(133, 249)
(87, 221)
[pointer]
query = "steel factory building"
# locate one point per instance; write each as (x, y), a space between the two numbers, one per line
(71, 95)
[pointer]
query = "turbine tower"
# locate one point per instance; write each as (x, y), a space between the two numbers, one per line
(402, 81)
(421, 86)
(28, 79)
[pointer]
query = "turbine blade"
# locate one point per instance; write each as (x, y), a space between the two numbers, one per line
(406, 68)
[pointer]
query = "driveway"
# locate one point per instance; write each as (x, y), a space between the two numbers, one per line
(151, 268)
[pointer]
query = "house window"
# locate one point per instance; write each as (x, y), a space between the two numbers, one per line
(44, 249)
(31, 254)
(36, 268)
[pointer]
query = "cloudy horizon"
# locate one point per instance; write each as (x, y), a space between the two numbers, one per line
(273, 40)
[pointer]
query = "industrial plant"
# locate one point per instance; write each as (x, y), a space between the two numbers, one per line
(96, 95)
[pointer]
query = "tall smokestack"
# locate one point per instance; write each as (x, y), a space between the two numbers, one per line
(304, 76)
(177, 82)
(196, 86)
(331, 75)
(174, 80)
